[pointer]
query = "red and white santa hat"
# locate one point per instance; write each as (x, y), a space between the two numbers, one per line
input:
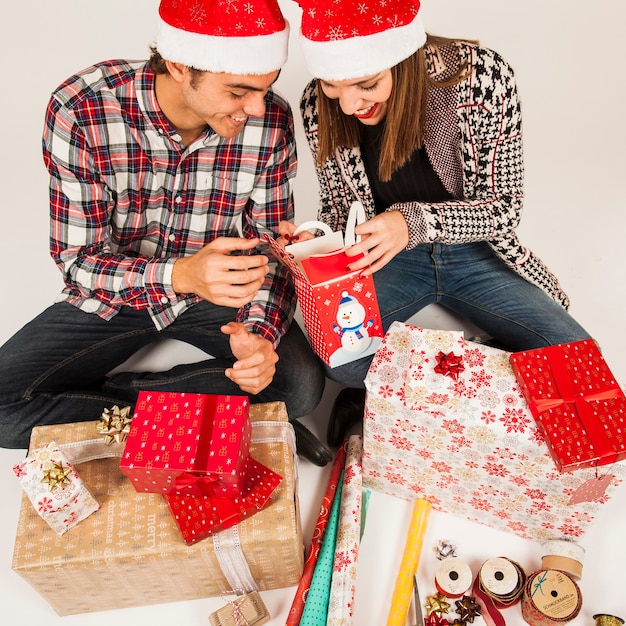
(343, 39)
(231, 36)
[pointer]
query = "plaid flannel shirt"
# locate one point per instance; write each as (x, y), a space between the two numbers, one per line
(127, 198)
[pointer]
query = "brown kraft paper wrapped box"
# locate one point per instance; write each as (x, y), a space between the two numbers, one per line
(132, 544)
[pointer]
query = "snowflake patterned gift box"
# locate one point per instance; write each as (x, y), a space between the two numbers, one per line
(54, 488)
(578, 405)
(445, 420)
(190, 444)
(339, 306)
(129, 553)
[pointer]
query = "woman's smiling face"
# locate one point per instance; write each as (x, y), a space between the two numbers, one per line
(364, 98)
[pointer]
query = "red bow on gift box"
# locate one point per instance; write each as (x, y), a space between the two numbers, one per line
(449, 365)
(191, 484)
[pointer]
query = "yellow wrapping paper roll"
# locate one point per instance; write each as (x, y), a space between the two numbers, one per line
(403, 589)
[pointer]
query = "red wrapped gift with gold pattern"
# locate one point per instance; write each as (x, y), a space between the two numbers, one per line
(187, 443)
(578, 405)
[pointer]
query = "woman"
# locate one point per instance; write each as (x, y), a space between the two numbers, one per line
(426, 133)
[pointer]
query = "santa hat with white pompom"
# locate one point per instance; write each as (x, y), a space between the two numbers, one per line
(228, 36)
(343, 39)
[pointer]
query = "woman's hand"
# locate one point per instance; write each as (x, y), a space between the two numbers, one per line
(286, 234)
(382, 238)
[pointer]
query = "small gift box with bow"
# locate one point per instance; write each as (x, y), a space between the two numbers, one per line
(54, 488)
(339, 306)
(189, 444)
(578, 405)
(199, 517)
(246, 610)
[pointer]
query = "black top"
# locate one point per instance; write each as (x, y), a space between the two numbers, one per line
(415, 181)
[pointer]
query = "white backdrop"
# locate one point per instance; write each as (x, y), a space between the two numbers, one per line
(568, 62)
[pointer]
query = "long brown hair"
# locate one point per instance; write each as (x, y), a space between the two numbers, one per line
(406, 112)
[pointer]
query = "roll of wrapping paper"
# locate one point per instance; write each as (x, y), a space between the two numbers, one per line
(403, 589)
(551, 597)
(297, 606)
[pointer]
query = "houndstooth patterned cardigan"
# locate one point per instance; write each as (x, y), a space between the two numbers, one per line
(473, 138)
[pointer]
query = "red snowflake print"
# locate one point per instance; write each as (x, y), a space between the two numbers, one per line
(488, 417)
(474, 357)
(502, 514)
(540, 507)
(19, 471)
(480, 504)
(342, 561)
(445, 480)
(515, 420)
(349, 473)
(438, 398)
(441, 467)
(481, 378)
(535, 494)
(471, 464)
(518, 527)
(461, 442)
(395, 478)
(520, 481)
(509, 399)
(45, 505)
(536, 436)
(453, 426)
(385, 391)
(71, 519)
(495, 469)
(424, 453)
(401, 443)
(571, 529)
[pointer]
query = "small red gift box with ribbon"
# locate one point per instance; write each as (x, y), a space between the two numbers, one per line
(339, 306)
(189, 444)
(199, 517)
(578, 405)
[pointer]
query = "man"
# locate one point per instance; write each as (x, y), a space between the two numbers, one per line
(163, 177)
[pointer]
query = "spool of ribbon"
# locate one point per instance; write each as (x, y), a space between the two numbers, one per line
(550, 597)
(453, 577)
(603, 619)
(563, 555)
(502, 580)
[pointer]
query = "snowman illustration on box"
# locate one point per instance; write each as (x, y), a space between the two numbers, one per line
(351, 325)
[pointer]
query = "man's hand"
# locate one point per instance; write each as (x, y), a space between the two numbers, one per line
(382, 238)
(256, 360)
(221, 278)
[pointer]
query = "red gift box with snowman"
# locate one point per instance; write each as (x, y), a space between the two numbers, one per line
(339, 307)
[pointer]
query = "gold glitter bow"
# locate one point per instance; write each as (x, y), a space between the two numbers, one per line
(437, 604)
(56, 476)
(115, 424)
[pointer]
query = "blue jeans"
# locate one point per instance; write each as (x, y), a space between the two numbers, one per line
(472, 281)
(54, 370)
